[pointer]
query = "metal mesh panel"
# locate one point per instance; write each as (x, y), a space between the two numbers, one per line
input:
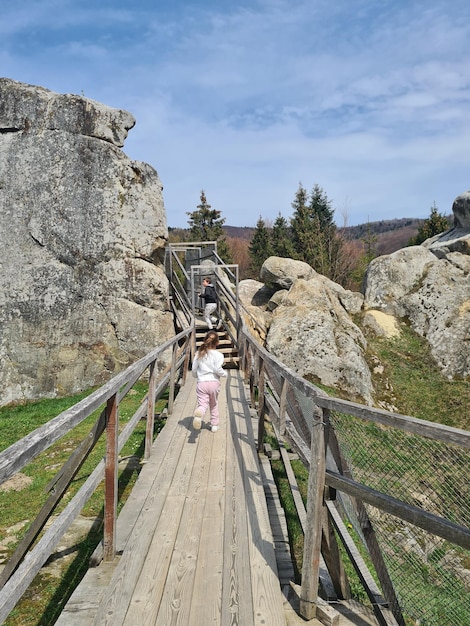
(431, 576)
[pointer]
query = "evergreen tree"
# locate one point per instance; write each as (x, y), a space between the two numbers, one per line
(320, 207)
(314, 233)
(260, 246)
(281, 239)
(436, 223)
(205, 224)
(303, 229)
(326, 243)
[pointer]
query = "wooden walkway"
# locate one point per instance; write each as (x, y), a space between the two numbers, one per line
(194, 539)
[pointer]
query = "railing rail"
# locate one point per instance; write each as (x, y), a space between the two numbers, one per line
(310, 421)
(28, 559)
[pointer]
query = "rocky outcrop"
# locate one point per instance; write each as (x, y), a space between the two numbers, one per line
(456, 239)
(429, 286)
(281, 273)
(315, 326)
(309, 325)
(433, 295)
(312, 333)
(82, 289)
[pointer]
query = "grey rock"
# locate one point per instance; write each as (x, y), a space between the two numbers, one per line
(281, 273)
(433, 294)
(26, 108)
(456, 239)
(313, 334)
(82, 228)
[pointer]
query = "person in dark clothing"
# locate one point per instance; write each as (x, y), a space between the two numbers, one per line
(209, 296)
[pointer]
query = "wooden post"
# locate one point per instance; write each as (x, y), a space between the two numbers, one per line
(282, 408)
(187, 356)
(111, 479)
(313, 535)
(171, 394)
(247, 360)
(150, 410)
(261, 407)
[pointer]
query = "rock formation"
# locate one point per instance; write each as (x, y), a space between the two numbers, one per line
(310, 328)
(429, 286)
(307, 320)
(82, 289)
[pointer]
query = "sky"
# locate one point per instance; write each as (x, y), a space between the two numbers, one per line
(247, 100)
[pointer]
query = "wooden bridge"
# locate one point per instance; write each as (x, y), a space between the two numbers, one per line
(196, 544)
(202, 538)
(195, 536)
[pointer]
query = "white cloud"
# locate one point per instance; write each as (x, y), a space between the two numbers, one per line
(369, 100)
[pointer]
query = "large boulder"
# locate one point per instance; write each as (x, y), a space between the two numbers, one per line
(280, 272)
(433, 295)
(82, 289)
(429, 286)
(309, 324)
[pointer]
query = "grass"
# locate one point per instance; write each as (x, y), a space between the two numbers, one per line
(414, 383)
(46, 596)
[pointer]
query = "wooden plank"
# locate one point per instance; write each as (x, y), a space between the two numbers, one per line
(237, 600)
(267, 600)
(313, 535)
(113, 609)
(207, 591)
(82, 606)
(278, 524)
(111, 479)
(176, 600)
(145, 603)
(146, 599)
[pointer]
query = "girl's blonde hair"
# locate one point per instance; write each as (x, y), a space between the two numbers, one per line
(211, 341)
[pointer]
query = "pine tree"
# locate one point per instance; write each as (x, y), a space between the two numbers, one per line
(436, 223)
(260, 246)
(281, 238)
(314, 232)
(303, 229)
(207, 225)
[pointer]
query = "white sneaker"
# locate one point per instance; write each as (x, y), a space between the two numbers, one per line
(197, 421)
(219, 324)
(214, 429)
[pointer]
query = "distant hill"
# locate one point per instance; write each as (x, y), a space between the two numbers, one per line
(391, 235)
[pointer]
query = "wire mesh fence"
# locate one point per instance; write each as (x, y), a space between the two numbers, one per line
(431, 576)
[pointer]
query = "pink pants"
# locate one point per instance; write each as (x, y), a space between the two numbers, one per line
(207, 392)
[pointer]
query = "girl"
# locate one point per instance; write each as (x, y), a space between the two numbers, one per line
(207, 368)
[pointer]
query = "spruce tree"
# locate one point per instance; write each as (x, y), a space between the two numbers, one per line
(260, 246)
(281, 238)
(435, 224)
(314, 232)
(302, 227)
(205, 224)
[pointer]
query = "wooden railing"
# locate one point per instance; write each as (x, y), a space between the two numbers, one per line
(29, 557)
(278, 392)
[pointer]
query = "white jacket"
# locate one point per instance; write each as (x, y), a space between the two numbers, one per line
(209, 367)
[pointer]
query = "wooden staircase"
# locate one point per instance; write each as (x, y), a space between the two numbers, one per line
(226, 346)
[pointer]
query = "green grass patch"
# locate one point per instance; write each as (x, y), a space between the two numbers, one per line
(46, 596)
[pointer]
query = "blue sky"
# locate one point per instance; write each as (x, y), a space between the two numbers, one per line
(368, 99)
